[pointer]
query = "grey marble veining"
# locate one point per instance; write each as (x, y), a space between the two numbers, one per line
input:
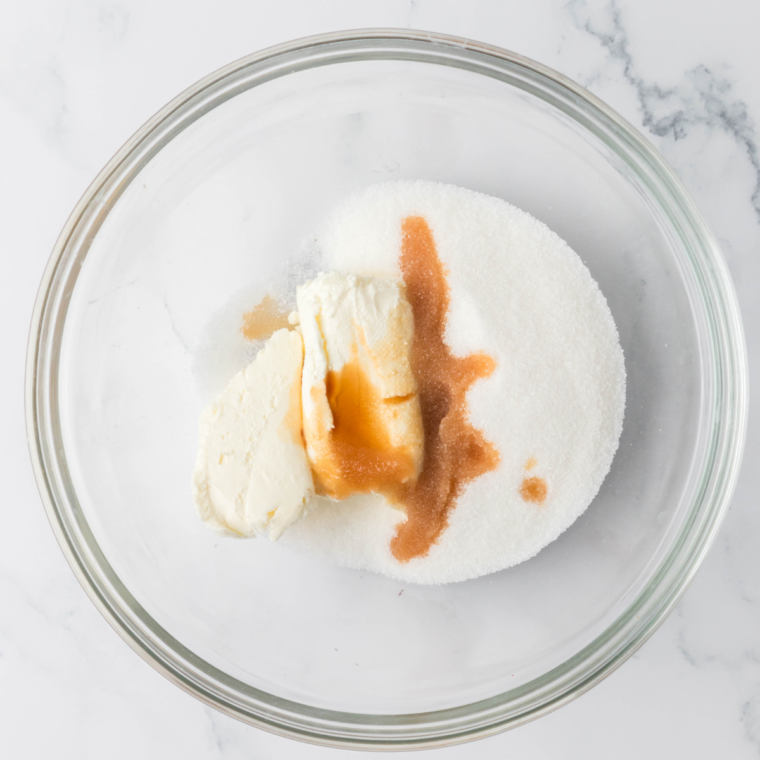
(78, 77)
(701, 98)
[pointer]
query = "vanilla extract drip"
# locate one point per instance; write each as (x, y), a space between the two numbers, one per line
(362, 457)
(534, 490)
(264, 319)
(455, 451)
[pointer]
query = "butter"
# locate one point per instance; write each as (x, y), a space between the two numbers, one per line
(251, 471)
(361, 414)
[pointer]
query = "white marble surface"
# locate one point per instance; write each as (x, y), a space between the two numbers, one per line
(78, 77)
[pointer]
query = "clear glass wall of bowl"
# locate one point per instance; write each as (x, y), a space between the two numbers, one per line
(213, 199)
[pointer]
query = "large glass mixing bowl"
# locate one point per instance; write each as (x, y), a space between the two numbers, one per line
(217, 192)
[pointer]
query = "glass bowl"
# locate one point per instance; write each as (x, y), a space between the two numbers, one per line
(212, 198)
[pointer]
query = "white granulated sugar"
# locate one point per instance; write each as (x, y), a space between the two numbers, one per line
(519, 293)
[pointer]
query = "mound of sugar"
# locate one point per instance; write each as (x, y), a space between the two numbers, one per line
(553, 407)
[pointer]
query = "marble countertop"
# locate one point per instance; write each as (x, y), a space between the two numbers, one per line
(78, 77)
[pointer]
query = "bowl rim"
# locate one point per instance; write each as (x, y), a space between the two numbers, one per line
(729, 386)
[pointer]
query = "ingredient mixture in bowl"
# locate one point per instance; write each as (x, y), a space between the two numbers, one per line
(446, 399)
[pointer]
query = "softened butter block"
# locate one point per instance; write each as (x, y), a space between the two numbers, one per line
(251, 470)
(359, 393)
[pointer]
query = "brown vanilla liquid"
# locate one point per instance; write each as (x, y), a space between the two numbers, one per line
(455, 451)
(264, 319)
(362, 458)
(533, 490)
